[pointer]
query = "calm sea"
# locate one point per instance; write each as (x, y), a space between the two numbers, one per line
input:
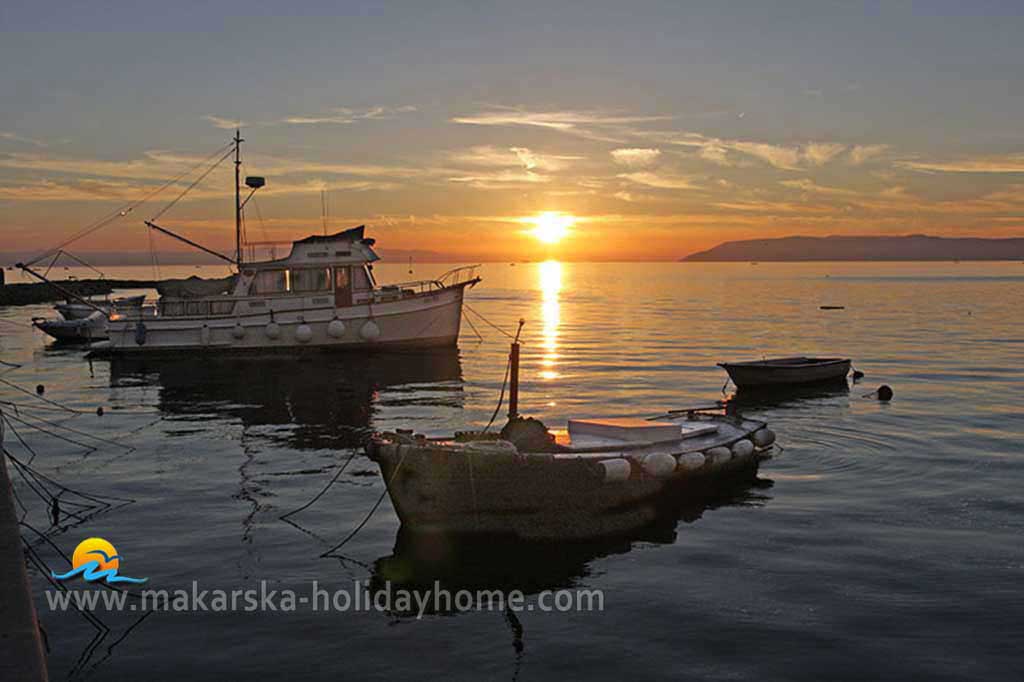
(885, 541)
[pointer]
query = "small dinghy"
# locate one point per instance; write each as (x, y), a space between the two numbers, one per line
(786, 371)
(79, 330)
(599, 478)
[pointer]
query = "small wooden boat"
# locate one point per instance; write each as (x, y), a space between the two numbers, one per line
(786, 371)
(599, 478)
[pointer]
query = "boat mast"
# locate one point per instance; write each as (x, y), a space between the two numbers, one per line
(238, 199)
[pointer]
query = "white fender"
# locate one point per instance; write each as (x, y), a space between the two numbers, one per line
(718, 456)
(303, 333)
(615, 470)
(691, 461)
(273, 330)
(204, 335)
(238, 331)
(370, 330)
(336, 328)
(742, 449)
(659, 464)
(763, 437)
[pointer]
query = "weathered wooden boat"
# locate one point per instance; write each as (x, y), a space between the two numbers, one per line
(600, 477)
(786, 371)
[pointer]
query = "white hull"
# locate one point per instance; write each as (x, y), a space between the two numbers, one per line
(427, 320)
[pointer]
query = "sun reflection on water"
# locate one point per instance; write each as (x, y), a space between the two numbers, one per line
(550, 313)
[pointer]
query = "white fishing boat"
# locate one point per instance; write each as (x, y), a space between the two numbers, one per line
(321, 296)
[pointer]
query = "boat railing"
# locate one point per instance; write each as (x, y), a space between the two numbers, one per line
(454, 277)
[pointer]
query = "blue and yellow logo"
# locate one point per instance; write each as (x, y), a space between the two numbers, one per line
(96, 559)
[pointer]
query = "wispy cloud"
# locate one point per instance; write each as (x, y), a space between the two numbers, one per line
(862, 153)
(14, 137)
(660, 181)
(225, 123)
(595, 125)
(1008, 163)
(503, 157)
(500, 179)
(728, 152)
(345, 115)
(635, 157)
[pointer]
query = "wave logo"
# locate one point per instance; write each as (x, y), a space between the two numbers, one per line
(95, 559)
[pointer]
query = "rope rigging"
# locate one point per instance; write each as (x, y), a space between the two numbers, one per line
(125, 210)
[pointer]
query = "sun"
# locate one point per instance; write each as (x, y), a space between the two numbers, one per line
(551, 227)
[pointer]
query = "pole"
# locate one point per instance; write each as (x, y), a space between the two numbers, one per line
(513, 371)
(238, 198)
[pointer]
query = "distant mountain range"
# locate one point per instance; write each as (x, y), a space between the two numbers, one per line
(913, 247)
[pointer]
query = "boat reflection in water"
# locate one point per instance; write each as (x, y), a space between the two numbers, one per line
(761, 397)
(325, 400)
(422, 562)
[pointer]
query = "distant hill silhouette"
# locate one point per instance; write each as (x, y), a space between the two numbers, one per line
(907, 248)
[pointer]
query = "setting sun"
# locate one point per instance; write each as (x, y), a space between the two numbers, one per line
(551, 227)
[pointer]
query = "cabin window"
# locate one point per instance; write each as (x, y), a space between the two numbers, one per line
(197, 308)
(310, 279)
(360, 281)
(222, 307)
(270, 282)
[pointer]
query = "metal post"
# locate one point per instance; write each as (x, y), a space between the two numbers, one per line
(238, 199)
(513, 385)
(513, 370)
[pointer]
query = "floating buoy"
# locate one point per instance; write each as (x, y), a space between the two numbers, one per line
(717, 456)
(742, 449)
(691, 461)
(303, 333)
(40, 389)
(273, 330)
(884, 392)
(238, 331)
(335, 328)
(615, 470)
(659, 464)
(140, 333)
(857, 375)
(204, 335)
(370, 330)
(99, 411)
(763, 437)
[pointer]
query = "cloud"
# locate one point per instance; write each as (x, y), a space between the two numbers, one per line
(660, 181)
(595, 125)
(635, 157)
(14, 137)
(811, 187)
(820, 153)
(863, 153)
(725, 152)
(505, 157)
(1009, 163)
(345, 115)
(501, 179)
(225, 123)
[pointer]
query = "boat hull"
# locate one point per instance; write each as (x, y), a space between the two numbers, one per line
(751, 375)
(83, 330)
(426, 321)
(536, 496)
